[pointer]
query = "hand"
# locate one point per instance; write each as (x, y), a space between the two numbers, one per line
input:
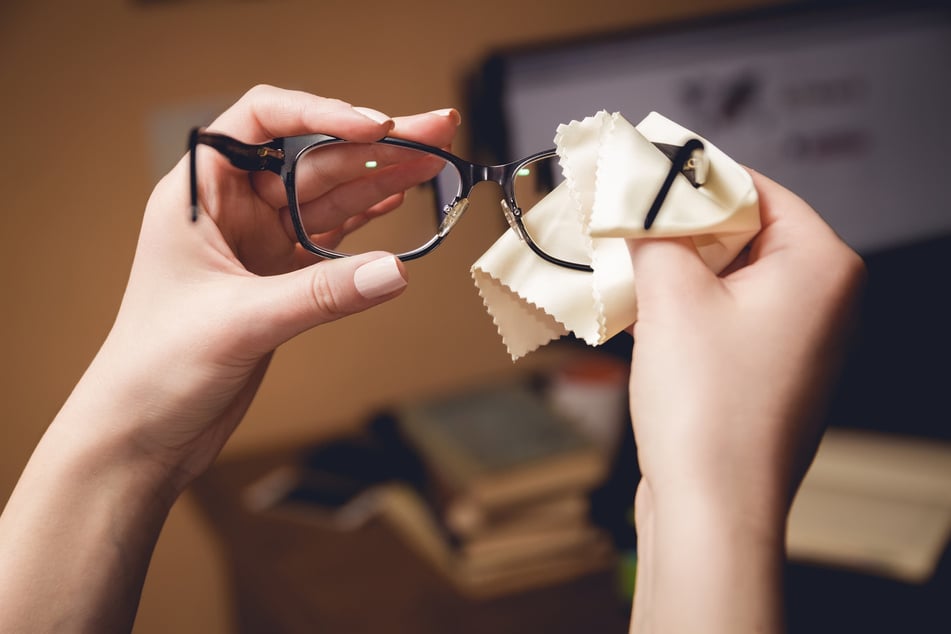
(208, 302)
(205, 306)
(729, 377)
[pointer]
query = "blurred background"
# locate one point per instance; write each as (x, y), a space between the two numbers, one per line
(98, 96)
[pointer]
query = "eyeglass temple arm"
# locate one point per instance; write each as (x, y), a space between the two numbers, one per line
(682, 160)
(253, 158)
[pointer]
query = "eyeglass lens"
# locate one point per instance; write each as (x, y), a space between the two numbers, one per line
(385, 197)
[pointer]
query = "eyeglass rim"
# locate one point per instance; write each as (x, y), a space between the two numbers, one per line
(280, 156)
(466, 170)
(306, 142)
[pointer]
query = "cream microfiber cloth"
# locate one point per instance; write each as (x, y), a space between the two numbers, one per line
(612, 174)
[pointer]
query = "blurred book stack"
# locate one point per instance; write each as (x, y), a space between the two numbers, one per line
(508, 483)
(490, 487)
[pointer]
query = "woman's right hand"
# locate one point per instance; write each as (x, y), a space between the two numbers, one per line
(729, 380)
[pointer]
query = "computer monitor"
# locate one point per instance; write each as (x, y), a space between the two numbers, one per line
(846, 103)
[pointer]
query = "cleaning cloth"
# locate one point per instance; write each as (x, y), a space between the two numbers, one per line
(612, 172)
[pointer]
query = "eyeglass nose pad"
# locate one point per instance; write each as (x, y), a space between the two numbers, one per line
(513, 223)
(453, 214)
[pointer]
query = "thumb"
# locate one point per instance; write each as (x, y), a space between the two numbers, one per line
(667, 268)
(291, 303)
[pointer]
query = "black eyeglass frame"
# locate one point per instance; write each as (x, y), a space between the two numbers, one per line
(280, 157)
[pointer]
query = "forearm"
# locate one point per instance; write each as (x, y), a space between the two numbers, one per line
(77, 534)
(703, 567)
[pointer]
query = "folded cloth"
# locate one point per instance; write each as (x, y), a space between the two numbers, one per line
(613, 172)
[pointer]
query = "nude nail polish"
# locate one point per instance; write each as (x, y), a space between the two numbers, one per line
(379, 277)
(451, 113)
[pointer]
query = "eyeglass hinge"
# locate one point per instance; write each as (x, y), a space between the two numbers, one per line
(696, 167)
(265, 153)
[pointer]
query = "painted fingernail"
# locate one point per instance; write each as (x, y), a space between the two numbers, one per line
(379, 277)
(375, 115)
(451, 113)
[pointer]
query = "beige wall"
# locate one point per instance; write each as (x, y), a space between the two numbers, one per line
(81, 82)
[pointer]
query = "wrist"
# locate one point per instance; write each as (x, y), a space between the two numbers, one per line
(706, 564)
(100, 432)
(755, 506)
(104, 454)
(752, 488)
(163, 415)
(734, 520)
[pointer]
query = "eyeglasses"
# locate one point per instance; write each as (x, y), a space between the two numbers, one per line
(413, 193)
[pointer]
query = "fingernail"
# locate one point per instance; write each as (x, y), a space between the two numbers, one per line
(452, 113)
(379, 277)
(375, 115)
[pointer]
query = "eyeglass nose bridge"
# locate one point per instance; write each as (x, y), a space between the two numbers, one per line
(501, 175)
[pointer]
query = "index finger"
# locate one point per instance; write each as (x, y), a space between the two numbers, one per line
(266, 112)
(435, 128)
